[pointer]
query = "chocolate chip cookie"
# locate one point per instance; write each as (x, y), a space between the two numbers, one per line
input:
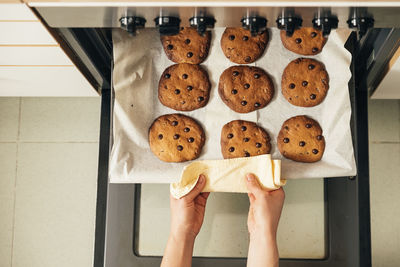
(301, 139)
(176, 138)
(244, 139)
(240, 47)
(304, 41)
(184, 87)
(188, 46)
(305, 82)
(245, 89)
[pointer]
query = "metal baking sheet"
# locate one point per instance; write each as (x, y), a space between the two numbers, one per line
(138, 64)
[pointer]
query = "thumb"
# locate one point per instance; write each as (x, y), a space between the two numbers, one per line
(252, 185)
(201, 183)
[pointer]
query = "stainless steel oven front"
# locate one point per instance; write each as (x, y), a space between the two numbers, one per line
(84, 32)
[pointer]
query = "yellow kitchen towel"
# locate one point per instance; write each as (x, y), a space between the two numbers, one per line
(228, 175)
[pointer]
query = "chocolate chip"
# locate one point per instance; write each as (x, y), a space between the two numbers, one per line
(286, 128)
(302, 143)
(160, 136)
(315, 50)
(234, 91)
(257, 105)
(292, 86)
(308, 125)
(311, 67)
(167, 76)
(256, 76)
(177, 91)
(315, 151)
(244, 128)
(176, 136)
(169, 47)
(247, 59)
(180, 148)
(185, 76)
(319, 137)
(200, 98)
(190, 139)
(231, 149)
(312, 96)
(187, 41)
(230, 136)
(313, 34)
(235, 73)
(174, 123)
(298, 40)
(246, 139)
(189, 54)
(286, 140)
(245, 38)
(246, 86)
(304, 83)
(258, 145)
(231, 37)
(244, 103)
(186, 130)
(189, 88)
(246, 154)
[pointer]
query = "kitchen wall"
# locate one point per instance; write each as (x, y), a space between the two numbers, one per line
(48, 172)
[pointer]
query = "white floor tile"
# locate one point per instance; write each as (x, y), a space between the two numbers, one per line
(9, 110)
(60, 119)
(55, 205)
(384, 120)
(385, 204)
(8, 162)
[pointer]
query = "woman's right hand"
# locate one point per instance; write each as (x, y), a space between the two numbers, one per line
(265, 208)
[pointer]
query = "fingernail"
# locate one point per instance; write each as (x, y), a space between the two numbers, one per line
(201, 178)
(249, 177)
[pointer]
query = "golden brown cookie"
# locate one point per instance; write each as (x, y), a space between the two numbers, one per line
(240, 47)
(300, 139)
(245, 89)
(176, 138)
(305, 82)
(244, 139)
(188, 46)
(184, 87)
(304, 41)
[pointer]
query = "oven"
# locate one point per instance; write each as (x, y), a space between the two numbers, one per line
(84, 32)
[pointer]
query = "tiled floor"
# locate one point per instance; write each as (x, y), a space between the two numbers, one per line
(48, 167)
(48, 175)
(384, 155)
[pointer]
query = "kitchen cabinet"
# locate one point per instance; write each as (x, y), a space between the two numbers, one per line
(32, 63)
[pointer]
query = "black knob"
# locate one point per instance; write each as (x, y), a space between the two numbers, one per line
(289, 24)
(202, 23)
(132, 23)
(325, 24)
(361, 23)
(254, 24)
(167, 25)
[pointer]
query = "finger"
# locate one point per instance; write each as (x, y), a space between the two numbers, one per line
(201, 199)
(251, 198)
(252, 185)
(201, 182)
(279, 192)
(205, 194)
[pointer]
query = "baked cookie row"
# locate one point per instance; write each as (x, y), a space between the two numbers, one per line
(179, 138)
(238, 44)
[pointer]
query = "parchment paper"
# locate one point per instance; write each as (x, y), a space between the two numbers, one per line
(138, 64)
